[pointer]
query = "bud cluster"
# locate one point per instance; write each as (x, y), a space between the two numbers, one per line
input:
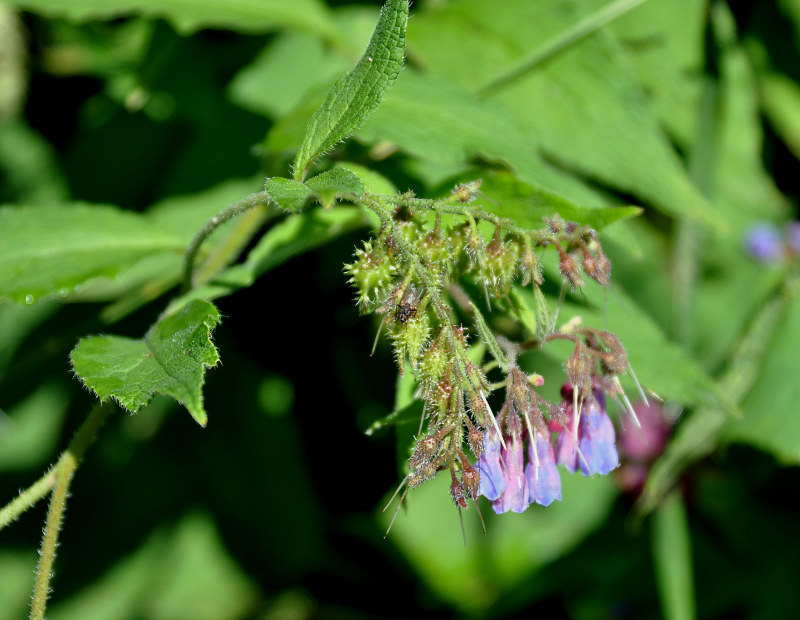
(410, 273)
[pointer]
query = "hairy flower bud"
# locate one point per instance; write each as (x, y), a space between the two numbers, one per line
(371, 273)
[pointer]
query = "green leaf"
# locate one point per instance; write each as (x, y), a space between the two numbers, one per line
(288, 194)
(333, 184)
(770, 419)
(583, 106)
(358, 93)
(781, 101)
(436, 120)
(487, 337)
(293, 236)
(527, 205)
(171, 359)
(50, 251)
(672, 559)
(184, 571)
(242, 15)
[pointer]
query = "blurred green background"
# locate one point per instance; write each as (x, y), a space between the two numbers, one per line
(687, 108)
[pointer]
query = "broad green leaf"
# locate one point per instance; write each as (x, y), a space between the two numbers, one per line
(583, 106)
(358, 93)
(51, 251)
(288, 194)
(171, 359)
(435, 120)
(672, 558)
(528, 205)
(334, 184)
(243, 15)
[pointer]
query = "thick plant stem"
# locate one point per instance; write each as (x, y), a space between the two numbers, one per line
(63, 470)
(251, 202)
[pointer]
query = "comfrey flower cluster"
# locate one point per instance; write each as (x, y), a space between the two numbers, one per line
(411, 273)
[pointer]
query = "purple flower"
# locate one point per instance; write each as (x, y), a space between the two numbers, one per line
(489, 466)
(515, 495)
(764, 243)
(645, 444)
(596, 440)
(598, 453)
(566, 454)
(544, 483)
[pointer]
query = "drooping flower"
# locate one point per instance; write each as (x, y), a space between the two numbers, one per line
(490, 468)
(541, 473)
(596, 439)
(515, 494)
(596, 452)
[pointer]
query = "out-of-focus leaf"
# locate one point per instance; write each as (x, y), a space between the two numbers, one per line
(583, 107)
(358, 93)
(770, 419)
(28, 163)
(474, 577)
(672, 556)
(181, 574)
(781, 102)
(288, 193)
(15, 582)
(433, 119)
(529, 206)
(742, 189)
(243, 15)
(333, 184)
(700, 433)
(296, 234)
(171, 359)
(29, 435)
(663, 42)
(50, 251)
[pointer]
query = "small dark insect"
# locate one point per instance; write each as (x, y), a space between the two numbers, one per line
(409, 304)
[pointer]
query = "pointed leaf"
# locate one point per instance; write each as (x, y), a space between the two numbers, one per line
(49, 251)
(171, 359)
(357, 94)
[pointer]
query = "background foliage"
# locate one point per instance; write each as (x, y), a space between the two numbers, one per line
(127, 124)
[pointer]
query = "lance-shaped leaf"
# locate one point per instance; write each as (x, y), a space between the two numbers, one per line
(358, 93)
(171, 359)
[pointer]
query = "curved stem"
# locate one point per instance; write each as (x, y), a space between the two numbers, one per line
(251, 202)
(64, 470)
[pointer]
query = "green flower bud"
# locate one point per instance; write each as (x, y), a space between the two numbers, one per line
(371, 273)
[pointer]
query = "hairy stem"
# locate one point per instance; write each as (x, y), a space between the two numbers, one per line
(27, 498)
(63, 470)
(251, 202)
